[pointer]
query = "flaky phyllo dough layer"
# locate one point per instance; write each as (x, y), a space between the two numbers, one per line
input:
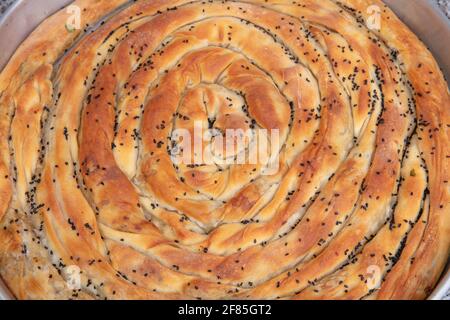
(359, 208)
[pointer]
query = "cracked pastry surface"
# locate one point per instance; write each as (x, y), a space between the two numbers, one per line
(358, 208)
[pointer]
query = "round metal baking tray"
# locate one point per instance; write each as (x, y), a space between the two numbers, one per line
(422, 16)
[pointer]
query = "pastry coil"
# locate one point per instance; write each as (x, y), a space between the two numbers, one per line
(358, 207)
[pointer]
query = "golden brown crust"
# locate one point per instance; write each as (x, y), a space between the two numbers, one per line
(88, 178)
